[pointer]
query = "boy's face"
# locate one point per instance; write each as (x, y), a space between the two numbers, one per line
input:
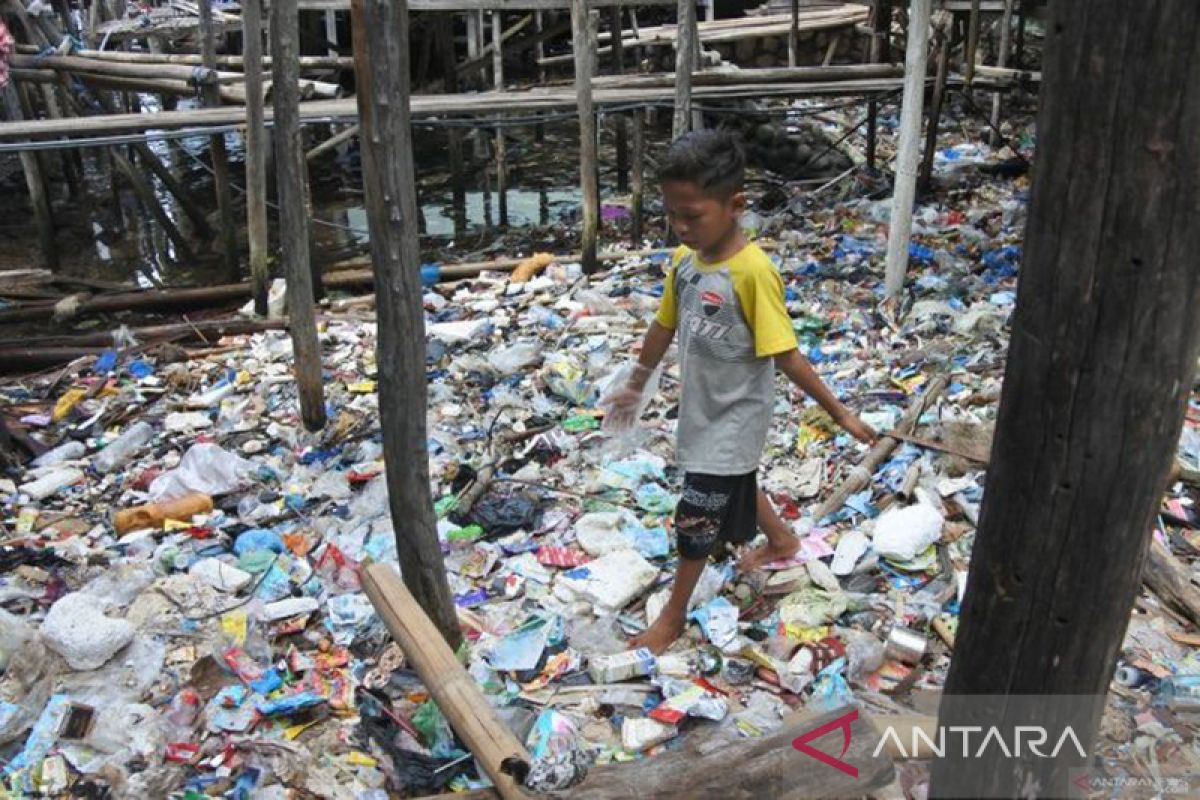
(702, 220)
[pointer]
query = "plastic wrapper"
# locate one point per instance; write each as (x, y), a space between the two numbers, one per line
(204, 469)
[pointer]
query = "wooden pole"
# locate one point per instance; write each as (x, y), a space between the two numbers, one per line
(636, 199)
(685, 65)
(794, 36)
(454, 135)
(220, 157)
(292, 178)
(900, 227)
(539, 49)
(498, 84)
(881, 25)
(1019, 55)
(581, 27)
(1001, 61)
(1102, 358)
(456, 693)
(257, 144)
(942, 41)
(622, 133)
(35, 181)
(389, 179)
(972, 43)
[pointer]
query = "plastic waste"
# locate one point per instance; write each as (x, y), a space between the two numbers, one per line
(904, 533)
(69, 451)
(517, 356)
(153, 515)
(124, 447)
(78, 630)
(51, 483)
(204, 469)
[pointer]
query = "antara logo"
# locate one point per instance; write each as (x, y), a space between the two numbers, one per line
(801, 743)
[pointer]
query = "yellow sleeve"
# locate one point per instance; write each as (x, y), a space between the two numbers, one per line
(760, 290)
(667, 315)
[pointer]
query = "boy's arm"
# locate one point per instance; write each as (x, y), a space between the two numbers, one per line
(654, 346)
(801, 373)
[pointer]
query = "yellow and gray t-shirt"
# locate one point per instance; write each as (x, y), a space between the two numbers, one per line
(731, 320)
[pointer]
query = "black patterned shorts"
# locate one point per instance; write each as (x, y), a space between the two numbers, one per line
(715, 508)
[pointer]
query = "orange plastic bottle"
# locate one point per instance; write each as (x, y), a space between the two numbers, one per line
(153, 514)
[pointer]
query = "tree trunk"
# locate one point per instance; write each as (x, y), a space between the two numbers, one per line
(256, 156)
(582, 27)
(382, 75)
(220, 157)
(1104, 346)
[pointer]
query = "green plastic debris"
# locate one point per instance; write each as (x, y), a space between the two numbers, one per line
(580, 423)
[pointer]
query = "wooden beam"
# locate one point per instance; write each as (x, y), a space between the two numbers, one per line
(482, 5)
(973, 23)
(484, 58)
(881, 24)
(257, 144)
(216, 148)
(456, 693)
(291, 175)
(1103, 350)
(909, 148)
(582, 28)
(622, 133)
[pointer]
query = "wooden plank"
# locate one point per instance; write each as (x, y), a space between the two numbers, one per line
(1100, 366)
(582, 30)
(292, 178)
(456, 693)
(256, 156)
(541, 99)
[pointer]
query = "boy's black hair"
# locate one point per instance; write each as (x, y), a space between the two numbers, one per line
(711, 159)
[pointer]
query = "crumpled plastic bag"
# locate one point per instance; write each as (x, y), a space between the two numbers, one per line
(204, 469)
(901, 534)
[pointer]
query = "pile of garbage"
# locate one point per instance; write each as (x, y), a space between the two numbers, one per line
(182, 612)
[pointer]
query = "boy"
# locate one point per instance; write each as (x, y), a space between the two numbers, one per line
(725, 298)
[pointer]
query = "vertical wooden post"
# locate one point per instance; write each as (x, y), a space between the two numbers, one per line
(619, 120)
(539, 52)
(292, 176)
(454, 135)
(220, 157)
(1019, 55)
(381, 49)
(256, 154)
(331, 35)
(585, 61)
(972, 44)
(636, 198)
(685, 65)
(1001, 61)
(881, 25)
(794, 36)
(35, 181)
(942, 40)
(498, 84)
(909, 150)
(1102, 357)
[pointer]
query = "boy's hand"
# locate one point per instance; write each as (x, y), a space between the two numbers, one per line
(857, 428)
(622, 404)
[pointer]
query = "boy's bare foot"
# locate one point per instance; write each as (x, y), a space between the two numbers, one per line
(661, 635)
(771, 551)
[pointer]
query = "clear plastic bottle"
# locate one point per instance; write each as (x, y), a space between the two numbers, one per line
(68, 451)
(124, 448)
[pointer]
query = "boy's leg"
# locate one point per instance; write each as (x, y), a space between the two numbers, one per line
(781, 542)
(673, 620)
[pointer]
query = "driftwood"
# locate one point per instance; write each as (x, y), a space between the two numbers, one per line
(1171, 581)
(860, 476)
